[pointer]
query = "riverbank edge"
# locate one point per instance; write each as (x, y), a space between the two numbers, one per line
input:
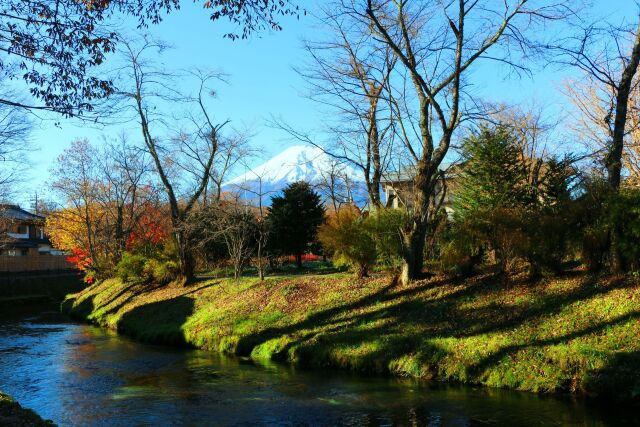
(13, 414)
(272, 350)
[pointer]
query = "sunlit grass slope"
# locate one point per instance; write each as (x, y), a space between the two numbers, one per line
(576, 333)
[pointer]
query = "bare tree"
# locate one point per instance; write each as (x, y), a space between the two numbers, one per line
(592, 126)
(609, 55)
(348, 74)
(184, 160)
(76, 180)
(233, 223)
(105, 194)
(231, 151)
(237, 226)
(125, 188)
(262, 230)
(335, 185)
(437, 44)
(15, 146)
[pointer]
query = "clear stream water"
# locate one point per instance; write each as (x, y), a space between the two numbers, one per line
(76, 374)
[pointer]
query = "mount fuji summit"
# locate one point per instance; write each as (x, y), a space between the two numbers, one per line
(296, 163)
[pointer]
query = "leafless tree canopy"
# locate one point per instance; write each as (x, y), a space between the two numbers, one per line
(15, 128)
(106, 191)
(437, 43)
(180, 132)
(609, 57)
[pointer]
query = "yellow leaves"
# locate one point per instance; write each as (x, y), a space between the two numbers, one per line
(66, 230)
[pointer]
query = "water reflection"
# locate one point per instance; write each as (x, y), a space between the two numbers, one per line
(81, 375)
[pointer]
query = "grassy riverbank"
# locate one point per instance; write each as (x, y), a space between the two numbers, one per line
(571, 334)
(12, 414)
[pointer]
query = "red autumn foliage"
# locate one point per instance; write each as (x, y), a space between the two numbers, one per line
(80, 258)
(152, 230)
(306, 257)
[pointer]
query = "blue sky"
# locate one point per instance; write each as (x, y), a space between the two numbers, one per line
(263, 83)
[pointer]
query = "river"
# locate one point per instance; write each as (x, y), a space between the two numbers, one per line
(76, 374)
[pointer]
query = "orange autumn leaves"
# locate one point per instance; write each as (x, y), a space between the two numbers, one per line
(86, 234)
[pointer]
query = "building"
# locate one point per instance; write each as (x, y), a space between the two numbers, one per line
(24, 245)
(399, 190)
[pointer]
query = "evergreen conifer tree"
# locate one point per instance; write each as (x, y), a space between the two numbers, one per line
(492, 174)
(294, 219)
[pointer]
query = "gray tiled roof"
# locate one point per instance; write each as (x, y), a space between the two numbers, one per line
(15, 212)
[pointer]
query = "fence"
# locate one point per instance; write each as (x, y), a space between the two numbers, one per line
(16, 264)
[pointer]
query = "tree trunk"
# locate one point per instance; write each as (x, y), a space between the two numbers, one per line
(299, 261)
(237, 271)
(373, 153)
(363, 271)
(187, 265)
(415, 234)
(120, 237)
(413, 241)
(261, 263)
(614, 158)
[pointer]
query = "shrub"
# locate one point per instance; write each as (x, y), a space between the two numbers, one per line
(544, 249)
(459, 250)
(515, 204)
(384, 226)
(600, 211)
(162, 272)
(346, 236)
(624, 212)
(131, 267)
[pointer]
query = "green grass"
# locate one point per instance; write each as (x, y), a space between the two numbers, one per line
(12, 414)
(289, 269)
(572, 334)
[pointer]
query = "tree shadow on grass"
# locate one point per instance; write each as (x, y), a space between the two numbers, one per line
(159, 322)
(86, 306)
(192, 289)
(80, 310)
(131, 291)
(497, 356)
(619, 378)
(344, 313)
(408, 317)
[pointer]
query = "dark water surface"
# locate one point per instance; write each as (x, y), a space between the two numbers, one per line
(77, 374)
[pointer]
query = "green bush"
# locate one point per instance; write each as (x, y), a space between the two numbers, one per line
(459, 249)
(345, 235)
(549, 234)
(455, 259)
(600, 211)
(623, 211)
(131, 267)
(515, 207)
(383, 225)
(162, 272)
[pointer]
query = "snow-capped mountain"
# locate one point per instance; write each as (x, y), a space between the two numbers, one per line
(297, 163)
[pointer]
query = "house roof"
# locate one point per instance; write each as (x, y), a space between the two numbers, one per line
(15, 212)
(20, 244)
(408, 173)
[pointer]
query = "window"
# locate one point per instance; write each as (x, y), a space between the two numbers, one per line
(23, 229)
(25, 252)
